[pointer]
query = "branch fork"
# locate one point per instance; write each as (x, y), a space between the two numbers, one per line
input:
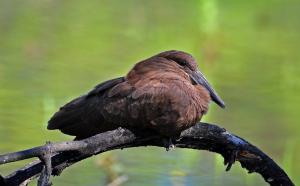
(56, 157)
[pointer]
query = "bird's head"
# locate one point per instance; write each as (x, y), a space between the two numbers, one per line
(189, 65)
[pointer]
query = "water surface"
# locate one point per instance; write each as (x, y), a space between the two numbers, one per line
(52, 51)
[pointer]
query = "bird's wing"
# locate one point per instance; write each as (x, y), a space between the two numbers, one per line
(147, 104)
(81, 116)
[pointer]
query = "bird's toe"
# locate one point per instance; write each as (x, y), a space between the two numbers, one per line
(168, 143)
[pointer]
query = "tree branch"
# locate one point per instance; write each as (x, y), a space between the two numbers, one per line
(202, 136)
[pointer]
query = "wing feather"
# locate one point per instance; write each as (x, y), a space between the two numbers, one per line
(82, 117)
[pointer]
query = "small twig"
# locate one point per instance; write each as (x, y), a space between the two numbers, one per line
(44, 179)
(39, 151)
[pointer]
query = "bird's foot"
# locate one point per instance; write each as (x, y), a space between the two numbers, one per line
(230, 158)
(168, 143)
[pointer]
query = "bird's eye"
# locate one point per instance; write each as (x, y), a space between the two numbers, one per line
(181, 62)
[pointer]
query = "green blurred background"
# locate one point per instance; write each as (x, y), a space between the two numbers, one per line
(52, 51)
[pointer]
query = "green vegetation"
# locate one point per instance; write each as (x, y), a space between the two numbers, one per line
(52, 51)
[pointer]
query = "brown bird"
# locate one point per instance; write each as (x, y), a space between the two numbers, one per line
(165, 93)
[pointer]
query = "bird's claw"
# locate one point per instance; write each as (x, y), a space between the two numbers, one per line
(230, 158)
(168, 144)
(171, 147)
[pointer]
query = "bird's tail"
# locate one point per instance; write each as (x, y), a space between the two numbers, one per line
(77, 118)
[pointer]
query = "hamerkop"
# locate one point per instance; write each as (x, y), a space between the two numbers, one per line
(165, 94)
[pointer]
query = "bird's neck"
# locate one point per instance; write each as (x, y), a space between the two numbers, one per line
(157, 68)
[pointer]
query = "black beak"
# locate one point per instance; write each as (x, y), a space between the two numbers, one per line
(198, 78)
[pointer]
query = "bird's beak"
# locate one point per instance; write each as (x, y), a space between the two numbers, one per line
(199, 78)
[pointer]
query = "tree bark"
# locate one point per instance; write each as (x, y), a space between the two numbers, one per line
(55, 157)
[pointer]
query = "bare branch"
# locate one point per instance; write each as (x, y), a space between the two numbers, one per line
(202, 136)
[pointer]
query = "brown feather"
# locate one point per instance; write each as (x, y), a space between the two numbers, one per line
(157, 94)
